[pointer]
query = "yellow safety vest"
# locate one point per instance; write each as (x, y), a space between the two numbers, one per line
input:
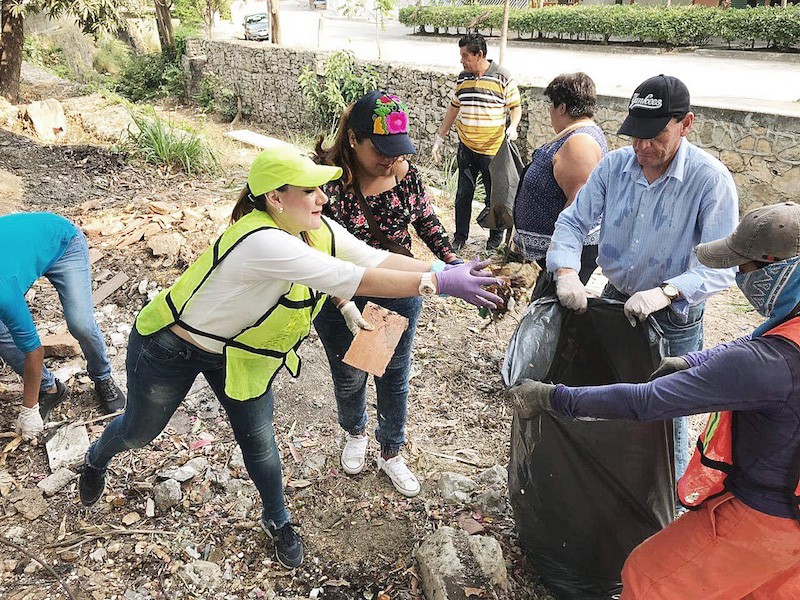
(255, 355)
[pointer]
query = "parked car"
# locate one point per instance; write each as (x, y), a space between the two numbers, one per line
(257, 27)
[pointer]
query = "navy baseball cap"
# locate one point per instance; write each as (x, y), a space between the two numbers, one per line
(653, 104)
(383, 118)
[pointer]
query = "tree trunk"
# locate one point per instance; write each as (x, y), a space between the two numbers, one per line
(504, 31)
(164, 25)
(275, 20)
(11, 40)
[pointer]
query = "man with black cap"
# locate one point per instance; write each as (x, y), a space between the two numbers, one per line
(657, 198)
(742, 539)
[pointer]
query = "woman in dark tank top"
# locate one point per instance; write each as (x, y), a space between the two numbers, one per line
(558, 169)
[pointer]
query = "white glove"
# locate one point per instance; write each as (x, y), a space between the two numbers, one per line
(352, 316)
(571, 292)
(642, 304)
(511, 133)
(29, 422)
(436, 152)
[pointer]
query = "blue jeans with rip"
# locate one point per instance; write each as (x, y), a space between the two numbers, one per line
(161, 370)
(350, 384)
(681, 338)
(71, 275)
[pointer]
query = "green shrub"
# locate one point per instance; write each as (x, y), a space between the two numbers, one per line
(343, 82)
(667, 26)
(150, 76)
(163, 142)
(45, 52)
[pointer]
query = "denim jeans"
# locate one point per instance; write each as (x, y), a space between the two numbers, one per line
(350, 384)
(71, 275)
(681, 339)
(161, 370)
(469, 165)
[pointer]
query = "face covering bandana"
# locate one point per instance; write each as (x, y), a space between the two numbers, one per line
(774, 290)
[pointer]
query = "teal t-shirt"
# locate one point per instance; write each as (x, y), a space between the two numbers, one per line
(30, 243)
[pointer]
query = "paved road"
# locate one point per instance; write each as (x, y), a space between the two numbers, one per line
(754, 84)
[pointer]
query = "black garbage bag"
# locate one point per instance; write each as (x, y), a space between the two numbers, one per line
(586, 492)
(504, 170)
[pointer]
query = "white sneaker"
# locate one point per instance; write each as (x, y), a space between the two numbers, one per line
(402, 478)
(353, 454)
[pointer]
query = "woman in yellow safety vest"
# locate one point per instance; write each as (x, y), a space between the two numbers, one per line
(241, 310)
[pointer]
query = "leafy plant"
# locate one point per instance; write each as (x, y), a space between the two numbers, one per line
(150, 76)
(667, 26)
(163, 142)
(342, 82)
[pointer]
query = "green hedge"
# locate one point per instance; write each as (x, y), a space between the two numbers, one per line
(674, 26)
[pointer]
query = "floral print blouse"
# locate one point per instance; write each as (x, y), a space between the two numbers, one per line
(394, 210)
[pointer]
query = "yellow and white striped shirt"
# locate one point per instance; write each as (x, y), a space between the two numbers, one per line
(482, 103)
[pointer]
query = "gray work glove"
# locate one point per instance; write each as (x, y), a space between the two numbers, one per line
(531, 398)
(669, 365)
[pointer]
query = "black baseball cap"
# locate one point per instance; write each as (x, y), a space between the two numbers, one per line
(383, 118)
(653, 104)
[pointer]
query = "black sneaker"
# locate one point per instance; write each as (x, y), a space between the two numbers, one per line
(110, 396)
(458, 244)
(48, 401)
(91, 484)
(288, 545)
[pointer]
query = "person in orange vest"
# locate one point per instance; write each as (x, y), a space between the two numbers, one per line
(743, 538)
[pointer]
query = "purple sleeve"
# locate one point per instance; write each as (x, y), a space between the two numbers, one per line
(748, 376)
(697, 358)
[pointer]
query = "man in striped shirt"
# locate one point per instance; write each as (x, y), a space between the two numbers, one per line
(484, 90)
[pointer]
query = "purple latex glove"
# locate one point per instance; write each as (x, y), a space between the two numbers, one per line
(465, 281)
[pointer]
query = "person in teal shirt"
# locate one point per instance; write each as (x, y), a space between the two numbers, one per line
(34, 245)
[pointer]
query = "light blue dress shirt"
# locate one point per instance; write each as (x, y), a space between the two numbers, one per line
(649, 231)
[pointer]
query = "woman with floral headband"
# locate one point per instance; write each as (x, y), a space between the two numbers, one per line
(377, 197)
(240, 312)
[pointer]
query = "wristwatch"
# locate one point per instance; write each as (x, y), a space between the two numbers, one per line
(426, 286)
(670, 291)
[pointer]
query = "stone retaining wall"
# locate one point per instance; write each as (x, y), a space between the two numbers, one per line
(761, 150)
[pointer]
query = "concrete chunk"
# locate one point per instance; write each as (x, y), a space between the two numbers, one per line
(67, 447)
(51, 484)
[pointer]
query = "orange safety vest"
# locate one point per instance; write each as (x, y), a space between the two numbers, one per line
(713, 459)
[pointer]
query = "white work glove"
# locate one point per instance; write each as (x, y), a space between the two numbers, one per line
(642, 304)
(436, 152)
(511, 133)
(352, 316)
(29, 422)
(571, 292)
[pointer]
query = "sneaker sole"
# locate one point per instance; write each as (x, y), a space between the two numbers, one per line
(350, 471)
(278, 558)
(407, 494)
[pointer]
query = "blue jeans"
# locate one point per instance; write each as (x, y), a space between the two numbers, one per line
(681, 339)
(350, 384)
(161, 370)
(71, 275)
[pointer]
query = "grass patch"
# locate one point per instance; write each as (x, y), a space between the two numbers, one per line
(165, 143)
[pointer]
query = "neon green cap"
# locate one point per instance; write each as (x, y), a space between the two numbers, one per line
(284, 164)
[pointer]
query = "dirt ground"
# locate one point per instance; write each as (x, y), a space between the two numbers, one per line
(359, 533)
